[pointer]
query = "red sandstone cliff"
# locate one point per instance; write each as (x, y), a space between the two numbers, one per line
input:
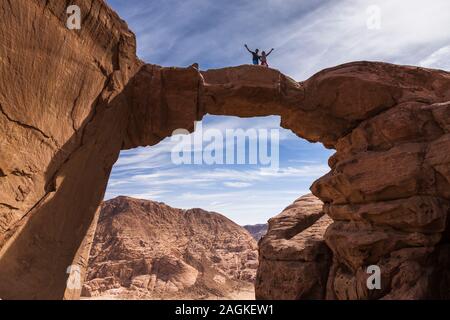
(148, 250)
(293, 258)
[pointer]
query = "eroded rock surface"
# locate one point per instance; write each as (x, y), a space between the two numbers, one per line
(388, 195)
(70, 100)
(62, 120)
(293, 258)
(148, 250)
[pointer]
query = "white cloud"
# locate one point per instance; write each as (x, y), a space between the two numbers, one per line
(138, 194)
(243, 206)
(298, 172)
(237, 184)
(337, 33)
(303, 161)
(207, 175)
(439, 59)
(307, 35)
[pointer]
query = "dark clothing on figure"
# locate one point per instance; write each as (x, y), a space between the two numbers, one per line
(255, 58)
(255, 55)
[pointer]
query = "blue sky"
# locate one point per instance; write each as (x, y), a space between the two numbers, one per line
(307, 36)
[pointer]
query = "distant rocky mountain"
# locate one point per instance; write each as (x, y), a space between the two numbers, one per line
(257, 230)
(147, 250)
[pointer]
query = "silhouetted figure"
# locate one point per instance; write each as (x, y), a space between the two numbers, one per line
(255, 55)
(263, 58)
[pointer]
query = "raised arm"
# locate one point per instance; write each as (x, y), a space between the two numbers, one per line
(269, 52)
(248, 49)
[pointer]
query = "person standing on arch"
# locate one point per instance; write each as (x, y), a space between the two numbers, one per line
(263, 58)
(255, 55)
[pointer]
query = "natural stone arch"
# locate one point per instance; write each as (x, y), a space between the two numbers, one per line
(63, 129)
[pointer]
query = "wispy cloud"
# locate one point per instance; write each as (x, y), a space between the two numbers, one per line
(207, 175)
(232, 184)
(439, 59)
(307, 35)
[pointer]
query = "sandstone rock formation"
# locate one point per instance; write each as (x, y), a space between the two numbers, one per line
(388, 195)
(293, 258)
(70, 100)
(257, 230)
(148, 250)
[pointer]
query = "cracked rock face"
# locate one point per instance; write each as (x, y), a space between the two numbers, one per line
(71, 100)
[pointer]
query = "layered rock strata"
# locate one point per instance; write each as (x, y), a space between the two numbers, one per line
(293, 258)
